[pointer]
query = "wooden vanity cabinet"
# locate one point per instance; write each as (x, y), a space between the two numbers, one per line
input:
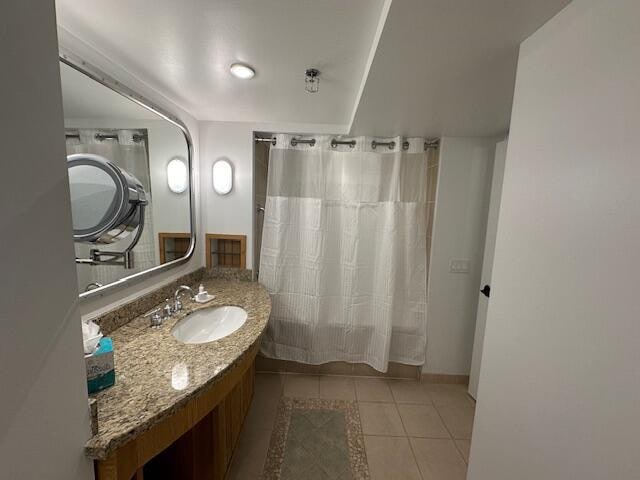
(196, 442)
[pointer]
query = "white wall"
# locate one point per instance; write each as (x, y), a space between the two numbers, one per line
(458, 233)
(231, 213)
(97, 305)
(44, 420)
(559, 393)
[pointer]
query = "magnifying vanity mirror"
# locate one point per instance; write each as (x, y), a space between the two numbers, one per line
(129, 219)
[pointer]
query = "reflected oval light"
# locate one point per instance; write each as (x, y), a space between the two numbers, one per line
(222, 173)
(177, 176)
(239, 70)
(180, 376)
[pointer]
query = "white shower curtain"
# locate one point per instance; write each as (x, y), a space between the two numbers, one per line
(344, 252)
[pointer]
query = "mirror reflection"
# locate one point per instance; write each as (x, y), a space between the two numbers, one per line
(128, 181)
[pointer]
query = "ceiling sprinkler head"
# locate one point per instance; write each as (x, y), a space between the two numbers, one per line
(311, 80)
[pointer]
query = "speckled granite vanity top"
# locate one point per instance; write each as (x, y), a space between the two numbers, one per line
(156, 374)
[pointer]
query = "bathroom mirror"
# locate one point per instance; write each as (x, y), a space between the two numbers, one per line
(130, 181)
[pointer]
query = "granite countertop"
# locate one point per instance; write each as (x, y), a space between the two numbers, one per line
(156, 374)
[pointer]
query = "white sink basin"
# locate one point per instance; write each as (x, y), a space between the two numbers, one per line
(209, 324)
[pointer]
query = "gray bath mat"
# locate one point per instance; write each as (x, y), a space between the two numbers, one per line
(316, 440)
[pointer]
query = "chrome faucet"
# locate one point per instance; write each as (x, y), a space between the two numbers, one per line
(160, 314)
(177, 304)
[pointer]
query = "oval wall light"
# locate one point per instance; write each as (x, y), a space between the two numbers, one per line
(240, 70)
(222, 174)
(177, 175)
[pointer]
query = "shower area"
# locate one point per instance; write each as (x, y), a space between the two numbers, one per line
(342, 235)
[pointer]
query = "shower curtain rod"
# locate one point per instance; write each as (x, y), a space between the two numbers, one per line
(310, 141)
(272, 141)
(432, 143)
(137, 137)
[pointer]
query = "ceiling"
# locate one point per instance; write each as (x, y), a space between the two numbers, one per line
(83, 97)
(388, 67)
(447, 67)
(184, 49)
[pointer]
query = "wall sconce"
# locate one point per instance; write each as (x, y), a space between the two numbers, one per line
(177, 175)
(222, 174)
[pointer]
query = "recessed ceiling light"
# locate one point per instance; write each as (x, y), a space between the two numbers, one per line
(242, 71)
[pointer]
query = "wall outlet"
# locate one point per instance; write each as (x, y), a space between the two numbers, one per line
(459, 266)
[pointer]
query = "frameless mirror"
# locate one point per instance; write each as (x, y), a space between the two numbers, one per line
(130, 183)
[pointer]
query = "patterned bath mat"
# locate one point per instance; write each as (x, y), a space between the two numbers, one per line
(316, 439)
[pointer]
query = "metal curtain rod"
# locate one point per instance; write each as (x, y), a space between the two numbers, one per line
(272, 141)
(428, 144)
(295, 141)
(335, 142)
(137, 137)
(433, 143)
(391, 144)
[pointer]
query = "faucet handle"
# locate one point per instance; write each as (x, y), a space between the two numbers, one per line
(167, 310)
(177, 305)
(155, 317)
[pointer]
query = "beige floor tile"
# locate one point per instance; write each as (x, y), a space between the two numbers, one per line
(301, 386)
(422, 421)
(269, 385)
(373, 390)
(438, 459)
(390, 458)
(442, 395)
(261, 416)
(339, 388)
(249, 456)
(464, 446)
(380, 419)
(458, 420)
(409, 391)
(266, 397)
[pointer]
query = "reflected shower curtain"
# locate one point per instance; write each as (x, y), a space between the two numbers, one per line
(131, 155)
(344, 252)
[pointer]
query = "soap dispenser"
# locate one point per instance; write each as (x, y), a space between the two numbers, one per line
(202, 294)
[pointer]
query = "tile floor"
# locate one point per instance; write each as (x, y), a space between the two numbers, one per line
(411, 430)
